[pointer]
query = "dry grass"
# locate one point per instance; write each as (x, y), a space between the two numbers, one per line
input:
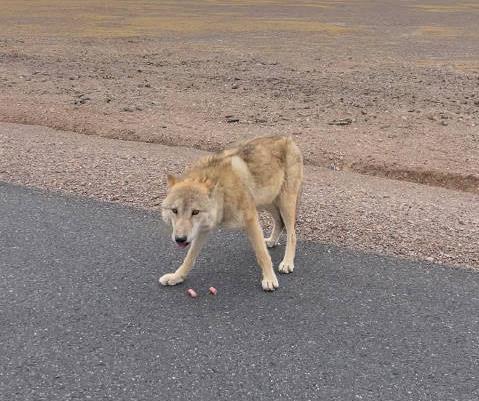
(110, 19)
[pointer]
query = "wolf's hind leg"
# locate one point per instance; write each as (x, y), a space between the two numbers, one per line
(278, 226)
(180, 274)
(287, 206)
(287, 203)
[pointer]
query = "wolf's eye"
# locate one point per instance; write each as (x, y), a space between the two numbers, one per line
(174, 210)
(195, 212)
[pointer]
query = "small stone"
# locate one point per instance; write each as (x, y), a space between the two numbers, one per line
(231, 119)
(342, 121)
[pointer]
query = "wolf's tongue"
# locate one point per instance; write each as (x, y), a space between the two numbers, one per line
(182, 244)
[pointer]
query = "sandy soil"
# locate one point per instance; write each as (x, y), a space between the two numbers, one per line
(367, 88)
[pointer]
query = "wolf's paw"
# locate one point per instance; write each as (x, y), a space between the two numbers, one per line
(171, 279)
(269, 283)
(286, 267)
(271, 243)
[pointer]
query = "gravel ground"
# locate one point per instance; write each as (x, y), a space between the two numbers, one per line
(396, 96)
(368, 213)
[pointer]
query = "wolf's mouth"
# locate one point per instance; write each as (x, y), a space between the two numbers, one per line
(182, 244)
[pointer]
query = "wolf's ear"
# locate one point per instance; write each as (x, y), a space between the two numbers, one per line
(171, 180)
(210, 185)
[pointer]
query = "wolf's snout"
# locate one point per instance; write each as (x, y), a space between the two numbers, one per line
(180, 240)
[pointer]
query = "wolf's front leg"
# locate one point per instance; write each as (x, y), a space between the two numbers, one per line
(269, 281)
(180, 274)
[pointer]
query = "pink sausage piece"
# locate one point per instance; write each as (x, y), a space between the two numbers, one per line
(192, 293)
(212, 290)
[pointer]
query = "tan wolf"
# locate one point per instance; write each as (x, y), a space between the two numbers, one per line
(227, 189)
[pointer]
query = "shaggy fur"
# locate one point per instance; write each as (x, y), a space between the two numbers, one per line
(227, 189)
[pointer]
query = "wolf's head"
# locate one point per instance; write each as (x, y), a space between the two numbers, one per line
(190, 207)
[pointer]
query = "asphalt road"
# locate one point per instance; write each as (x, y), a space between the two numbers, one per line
(82, 316)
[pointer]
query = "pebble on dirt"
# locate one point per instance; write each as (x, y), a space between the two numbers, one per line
(343, 121)
(231, 119)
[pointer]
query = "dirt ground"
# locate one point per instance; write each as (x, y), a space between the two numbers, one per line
(367, 88)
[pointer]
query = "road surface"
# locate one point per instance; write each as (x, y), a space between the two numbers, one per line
(82, 316)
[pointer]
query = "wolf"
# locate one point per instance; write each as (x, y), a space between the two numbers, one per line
(228, 189)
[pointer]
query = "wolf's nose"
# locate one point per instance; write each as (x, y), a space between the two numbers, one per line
(180, 240)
